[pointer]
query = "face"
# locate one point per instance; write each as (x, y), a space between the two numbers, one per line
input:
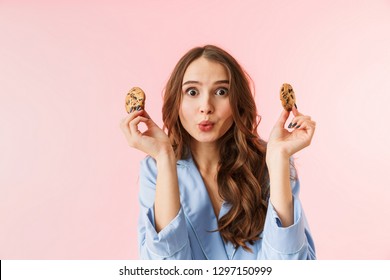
(205, 110)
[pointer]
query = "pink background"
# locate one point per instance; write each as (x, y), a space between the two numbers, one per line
(68, 179)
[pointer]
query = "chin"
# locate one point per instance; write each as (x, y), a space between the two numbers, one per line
(204, 139)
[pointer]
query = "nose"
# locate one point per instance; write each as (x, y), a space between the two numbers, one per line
(206, 106)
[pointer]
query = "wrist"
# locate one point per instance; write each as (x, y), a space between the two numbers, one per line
(276, 158)
(166, 154)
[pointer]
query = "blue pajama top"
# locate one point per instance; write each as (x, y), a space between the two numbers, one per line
(190, 234)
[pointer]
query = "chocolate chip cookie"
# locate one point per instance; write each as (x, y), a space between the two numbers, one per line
(287, 96)
(135, 100)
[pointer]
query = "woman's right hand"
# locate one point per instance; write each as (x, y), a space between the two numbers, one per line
(153, 141)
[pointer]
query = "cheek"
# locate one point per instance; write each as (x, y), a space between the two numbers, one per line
(182, 115)
(184, 110)
(227, 110)
(227, 116)
(185, 105)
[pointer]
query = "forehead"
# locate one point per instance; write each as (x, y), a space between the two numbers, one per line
(204, 70)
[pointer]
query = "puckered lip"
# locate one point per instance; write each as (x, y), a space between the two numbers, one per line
(204, 123)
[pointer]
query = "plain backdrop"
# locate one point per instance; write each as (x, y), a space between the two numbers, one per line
(69, 181)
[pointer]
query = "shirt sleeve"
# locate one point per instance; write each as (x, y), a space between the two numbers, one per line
(293, 242)
(172, 241)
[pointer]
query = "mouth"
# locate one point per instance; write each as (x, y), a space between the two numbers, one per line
(206, 126)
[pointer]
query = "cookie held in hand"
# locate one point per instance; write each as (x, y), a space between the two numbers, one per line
(135, 100)
(287, 96)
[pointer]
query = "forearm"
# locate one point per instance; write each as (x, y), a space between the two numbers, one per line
(167, 200)
(280, 188)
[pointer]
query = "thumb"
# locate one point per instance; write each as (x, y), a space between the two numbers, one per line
(282, 118)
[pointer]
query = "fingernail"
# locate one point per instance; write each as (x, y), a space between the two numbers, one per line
(294, 124)
(296, 107)
(298, 126)
(138, 108)
(289, 126)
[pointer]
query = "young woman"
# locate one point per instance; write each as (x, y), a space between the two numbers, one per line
(210, 188)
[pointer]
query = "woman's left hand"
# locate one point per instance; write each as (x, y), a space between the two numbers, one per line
(283, 142)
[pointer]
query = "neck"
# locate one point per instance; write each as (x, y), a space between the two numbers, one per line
(206, 157)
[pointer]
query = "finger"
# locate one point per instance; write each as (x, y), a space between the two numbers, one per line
(130, 117)
(145, 114)
(125, 123)
(134, 125)
(298, 124)
(307, 125)
(135, 108)
(298, 120)
(149, 123)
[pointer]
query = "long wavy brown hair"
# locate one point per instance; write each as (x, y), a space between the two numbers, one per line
(242, 173)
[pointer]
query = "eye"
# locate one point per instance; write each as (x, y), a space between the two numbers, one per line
(192, 91)
(221, 91)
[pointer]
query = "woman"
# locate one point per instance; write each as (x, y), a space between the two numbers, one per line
(211, 188)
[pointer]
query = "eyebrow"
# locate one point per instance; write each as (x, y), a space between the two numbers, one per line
(215, 83)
